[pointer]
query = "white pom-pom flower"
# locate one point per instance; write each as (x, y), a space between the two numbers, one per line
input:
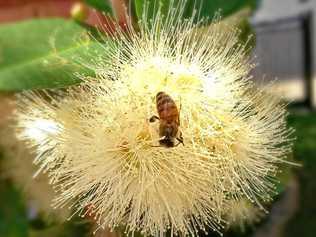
(103, 155)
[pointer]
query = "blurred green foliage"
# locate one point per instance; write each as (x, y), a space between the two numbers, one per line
(47, 53)
(304, 222)
(13, 222)
(73, 228)
(42, 54)
(206, 9)
(103, 5)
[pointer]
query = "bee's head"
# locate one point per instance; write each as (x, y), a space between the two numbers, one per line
(167, 142)
(168, 133)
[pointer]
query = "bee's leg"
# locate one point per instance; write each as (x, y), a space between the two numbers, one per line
(153, 118)
(180, 140)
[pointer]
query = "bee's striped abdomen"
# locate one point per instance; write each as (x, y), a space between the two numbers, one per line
(166, 107)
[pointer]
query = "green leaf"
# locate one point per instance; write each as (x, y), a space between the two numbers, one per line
(44, 54)
(206, 8)
(101, 5)
(13, 219)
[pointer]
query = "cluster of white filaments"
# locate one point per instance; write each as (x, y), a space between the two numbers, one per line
(241, 214)
(102, 154)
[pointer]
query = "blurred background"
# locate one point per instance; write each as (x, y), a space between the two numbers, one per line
(284, 49)
(285, 39)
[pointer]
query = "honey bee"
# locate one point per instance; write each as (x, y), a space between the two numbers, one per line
(169, 120)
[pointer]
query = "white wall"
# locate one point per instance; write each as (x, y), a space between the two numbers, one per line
(272, 10)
